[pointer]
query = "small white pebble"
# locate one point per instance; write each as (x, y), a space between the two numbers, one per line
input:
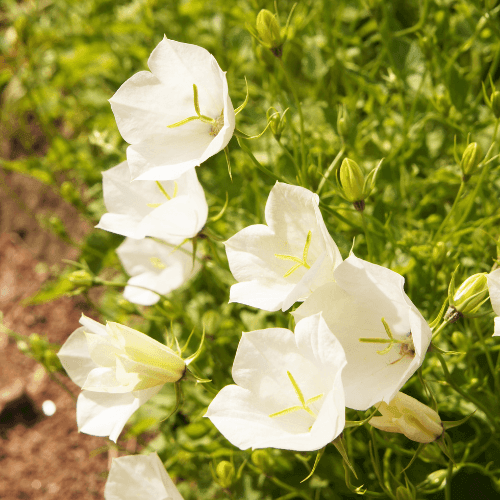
(49, 408)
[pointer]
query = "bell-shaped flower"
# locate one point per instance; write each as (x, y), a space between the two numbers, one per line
(155, 268)
(119, 369)
(406, 415)
(170, 210)
(139, 477)
(289, 392)
(384, 336)
(176, 116)
(494, 289)
(283, 262)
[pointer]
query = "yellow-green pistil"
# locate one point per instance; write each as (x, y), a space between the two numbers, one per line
(216, 123)
(164, 192)
(299, 262)
(304, 405)
(406, 347)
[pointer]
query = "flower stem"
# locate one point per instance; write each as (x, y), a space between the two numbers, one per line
(449, 475)
(439, 329)
(329, 170)
(367, 238)
(449, 214)
(301, 117)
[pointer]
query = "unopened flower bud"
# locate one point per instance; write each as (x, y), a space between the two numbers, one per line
(468, 298)
(353, 180)
(225, 473)
(495, 103)
(268, 29)
(470, 159)
(81, 278)
(277, 122)
(37, 345)
(406, 415)
(403, 493)
(343, 122)
(262, 460)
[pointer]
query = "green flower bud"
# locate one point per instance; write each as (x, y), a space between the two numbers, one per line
(225, 473)
(277, 122)
(37, 345)
(439, 252)
(470, 159)
(81, 278)
(343, 122)
(495, 103)
(262, 460)
(51, 361)
(468, 298)
(268, 29)
(403, 493)
(353, 180)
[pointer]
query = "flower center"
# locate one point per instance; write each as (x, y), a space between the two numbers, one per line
(299, 262)
(406, 346)
(304, 405)
(157, 263)
(217, 125)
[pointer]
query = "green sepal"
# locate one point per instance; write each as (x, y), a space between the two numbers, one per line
(338, 442)
(316, 462)
(450, 424)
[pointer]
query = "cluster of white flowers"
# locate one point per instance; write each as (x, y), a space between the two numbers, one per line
(358, 336)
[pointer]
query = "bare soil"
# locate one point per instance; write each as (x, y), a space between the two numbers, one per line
(41, 457)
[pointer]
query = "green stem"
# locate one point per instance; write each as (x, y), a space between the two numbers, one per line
(367, 237)
(493, 371)
(463, 393)
(301, 118)
(439, 329)
(449, 214)
(472, 198)
(449, 475)
(329, 170)
(261, 167)
(297, 168)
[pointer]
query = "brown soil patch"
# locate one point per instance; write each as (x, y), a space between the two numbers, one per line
(41, 457)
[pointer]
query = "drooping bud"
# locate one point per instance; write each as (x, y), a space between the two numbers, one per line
(225, 473)
(353, 180)
(468, 298)
(470, 160)
(268, 29)
(495, 103)
(406, 415)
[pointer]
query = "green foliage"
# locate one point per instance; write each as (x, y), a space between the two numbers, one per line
(409, 76)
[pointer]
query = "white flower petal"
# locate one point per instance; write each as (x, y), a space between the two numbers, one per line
(494, 289)
(148, 103)
(353, 307)
(285, 253)
(139, 477)
(105, 414)
(250, 414)
(156, 267)
(75, 357)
